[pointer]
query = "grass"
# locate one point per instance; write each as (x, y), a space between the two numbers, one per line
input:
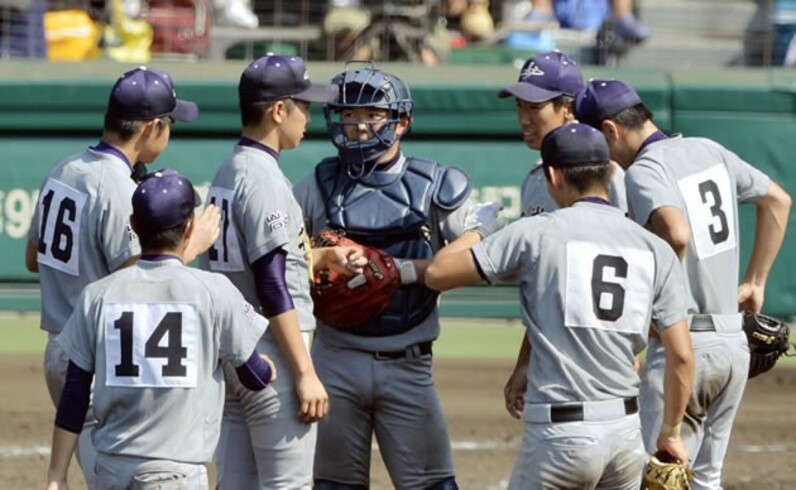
(20, 334)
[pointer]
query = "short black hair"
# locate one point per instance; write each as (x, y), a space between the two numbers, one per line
(252, 113)
(124, 128)
(561, 101)
(586, 177)
(633, 118)
(167, 239)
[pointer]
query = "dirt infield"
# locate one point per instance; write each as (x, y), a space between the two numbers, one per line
(485, 438)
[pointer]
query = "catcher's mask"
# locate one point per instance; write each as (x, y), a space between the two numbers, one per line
(367, 87)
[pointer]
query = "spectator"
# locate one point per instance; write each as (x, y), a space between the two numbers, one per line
(236, 13)
(470, 17)
(590, 14)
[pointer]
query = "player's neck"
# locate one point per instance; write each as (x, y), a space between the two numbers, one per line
(264, 136)
(128, 148)
(637, 138)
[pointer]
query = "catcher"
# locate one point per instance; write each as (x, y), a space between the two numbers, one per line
(372, 348)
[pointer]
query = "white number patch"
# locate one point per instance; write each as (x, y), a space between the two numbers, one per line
(608, 287)
(60, 214)
(151, 345)
(711, 211)
(225, 254)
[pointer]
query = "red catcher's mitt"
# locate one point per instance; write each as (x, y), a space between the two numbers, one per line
(346, 302)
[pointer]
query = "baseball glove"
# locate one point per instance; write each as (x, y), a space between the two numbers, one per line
(665, 473)
(346, 302)
(768, 340)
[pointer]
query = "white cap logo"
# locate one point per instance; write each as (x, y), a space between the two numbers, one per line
(531, 71)
(306, 75)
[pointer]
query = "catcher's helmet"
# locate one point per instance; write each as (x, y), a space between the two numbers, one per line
(367, 87)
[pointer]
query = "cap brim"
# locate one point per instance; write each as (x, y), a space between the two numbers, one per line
(321, 94)
(528, 92)
(184, 111)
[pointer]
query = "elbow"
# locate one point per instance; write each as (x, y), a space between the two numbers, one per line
(434, 278)
(31, 257)
(679, 240)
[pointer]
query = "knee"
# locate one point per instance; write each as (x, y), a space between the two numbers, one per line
(333, 485)
(446, 484)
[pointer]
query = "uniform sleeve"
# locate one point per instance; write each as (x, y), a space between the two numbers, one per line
(116, 237)
(263, 214)
(503, 255)
(669, 304)
(648, 189)
(309, 199)
(618, 194)
(751, 183)
(79, 336)
(240, 326)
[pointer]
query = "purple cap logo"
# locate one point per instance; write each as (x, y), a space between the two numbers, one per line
(163, 200)
(275, 77)
(144, 94)
(546, 76)
(603, 99)
(574, 145)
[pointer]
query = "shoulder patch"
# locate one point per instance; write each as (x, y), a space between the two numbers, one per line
(453, 188)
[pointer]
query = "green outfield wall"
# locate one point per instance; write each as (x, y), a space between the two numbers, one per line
(49, 111)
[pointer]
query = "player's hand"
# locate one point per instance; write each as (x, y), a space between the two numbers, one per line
(675, 447)
(346, 260)
(484, 218)
(57, 485)
(271, 365)
(514, 393)
(205, 232)
(313, 398)
(750, 297)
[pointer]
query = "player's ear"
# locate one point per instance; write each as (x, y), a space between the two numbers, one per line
(611, 130)
(189, 227)
(133, 224)
(403, 125)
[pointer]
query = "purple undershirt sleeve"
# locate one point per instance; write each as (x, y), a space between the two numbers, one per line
(75, 398)
(255, 373)
(269, 279)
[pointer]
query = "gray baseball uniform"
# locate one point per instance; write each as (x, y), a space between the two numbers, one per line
(590, 281)
(259, 215)
(535, 198)
(154, 335)
(393, 397)
(705, 182)
(81, 223)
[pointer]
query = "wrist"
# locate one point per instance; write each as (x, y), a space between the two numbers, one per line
(670, 431)
(407, 270)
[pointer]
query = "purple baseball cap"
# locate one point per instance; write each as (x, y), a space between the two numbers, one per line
(143, 94)
(275, 77)
(545, 76)
(603, 99)
(163, 200)
(574, 145)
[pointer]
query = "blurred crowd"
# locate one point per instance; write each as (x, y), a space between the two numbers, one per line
(425, 31)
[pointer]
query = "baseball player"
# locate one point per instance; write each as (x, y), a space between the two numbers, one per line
(687, 190)
(379, 373)
(153, 335)
(590, 282)
(268, 437)
(80, 232)
(547, 85)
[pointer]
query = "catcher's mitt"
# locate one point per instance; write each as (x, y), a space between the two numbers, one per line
(350, 301)
(665, 473)
(768, 339)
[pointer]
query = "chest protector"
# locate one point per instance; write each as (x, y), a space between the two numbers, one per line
(393, 212)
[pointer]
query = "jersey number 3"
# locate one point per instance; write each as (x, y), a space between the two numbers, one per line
(711, 210)
(151, 344)
(60, 212)
(608, 287)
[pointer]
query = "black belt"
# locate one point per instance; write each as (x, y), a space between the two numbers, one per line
(574, 412)
(702, 323)
(416, 350)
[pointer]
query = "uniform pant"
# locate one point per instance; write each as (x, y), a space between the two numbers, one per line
(393, 398)
(721, 369)
(591, 454)
(263, 443)
(132, 473)
(55, 364)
